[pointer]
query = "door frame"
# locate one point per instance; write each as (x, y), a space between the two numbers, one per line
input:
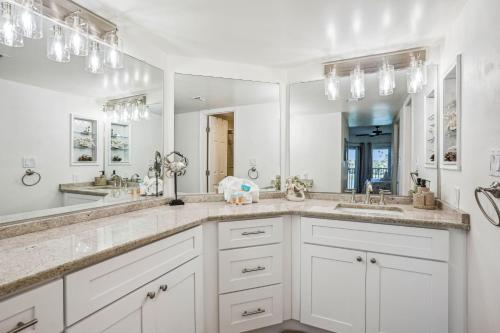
(203, 142)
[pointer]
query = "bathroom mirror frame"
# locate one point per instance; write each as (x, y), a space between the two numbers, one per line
(282, 128)
(424, 166)
(103, 130)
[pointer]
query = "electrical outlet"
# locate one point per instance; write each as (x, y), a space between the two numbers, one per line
(29, 162)
(495, 163)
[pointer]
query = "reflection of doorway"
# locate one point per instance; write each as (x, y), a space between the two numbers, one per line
(220, 151)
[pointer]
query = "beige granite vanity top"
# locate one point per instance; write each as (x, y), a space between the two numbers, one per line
(38, 257)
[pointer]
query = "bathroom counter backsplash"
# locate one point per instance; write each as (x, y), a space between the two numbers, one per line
(41, 256)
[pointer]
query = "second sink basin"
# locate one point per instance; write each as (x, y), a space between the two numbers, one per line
(369, 209)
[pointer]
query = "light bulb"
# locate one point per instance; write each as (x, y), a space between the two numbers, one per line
(78, 35)
(10, 34)
(94, 61)
(56, 45)
(145, 114)
(387, 81)
(136, 113)
(357, 83)
(114, 57)
(31, 20)
(332, 85)
(116, 116)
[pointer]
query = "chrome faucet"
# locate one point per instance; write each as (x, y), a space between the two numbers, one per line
(369, 190)
(135, 178)
(353, 196)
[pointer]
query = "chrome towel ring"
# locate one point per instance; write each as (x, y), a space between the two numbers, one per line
(30, 173)
(489, 193)
(253, 173)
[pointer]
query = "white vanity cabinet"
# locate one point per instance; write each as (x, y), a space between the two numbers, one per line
(155, 288)
(361, 277)
(250, 274)
(172, 303)
(39, 310)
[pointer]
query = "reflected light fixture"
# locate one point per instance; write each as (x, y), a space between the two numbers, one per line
(386, 79)
(78, 35)
(357, 83)
(10, 33)
(416, 76)
(56, 45)
(332, 85)
(114, 56)
(95, 59)
(30, 19)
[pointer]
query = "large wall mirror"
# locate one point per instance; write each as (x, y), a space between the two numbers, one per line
(338, 145)
(227, 127)
(61, 127)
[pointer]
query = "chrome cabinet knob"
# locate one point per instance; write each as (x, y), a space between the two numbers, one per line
(373, 260)
(359, 259)
(151, 295)
(163, 287)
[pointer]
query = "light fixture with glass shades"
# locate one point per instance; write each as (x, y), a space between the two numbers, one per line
(381, 68)
(386, 79)
(357, 83)
(10, 32)
(416, 75)
(74, 30)
(57, 49)
(133, 108)
(332, 85)
(30, 19)
(77, 41)
(113, 54)
(94, 63)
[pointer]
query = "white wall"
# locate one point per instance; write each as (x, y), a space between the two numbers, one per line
(476, 35)
(316, 142)
(256, 137)
(36, 123)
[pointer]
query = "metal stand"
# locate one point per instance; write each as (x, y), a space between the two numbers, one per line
(176, 201)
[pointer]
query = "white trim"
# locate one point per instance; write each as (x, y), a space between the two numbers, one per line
(443, 164)
(108, 143)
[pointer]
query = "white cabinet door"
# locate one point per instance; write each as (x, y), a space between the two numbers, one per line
(333, 288)
(406, 295)
(125, 315)
(178, 305)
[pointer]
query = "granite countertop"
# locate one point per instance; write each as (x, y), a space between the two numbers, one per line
(96, 190)
(39, 257)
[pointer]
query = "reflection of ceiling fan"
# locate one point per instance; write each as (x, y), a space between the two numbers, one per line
(376, 132)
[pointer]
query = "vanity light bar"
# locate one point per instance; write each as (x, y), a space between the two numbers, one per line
(371, 63)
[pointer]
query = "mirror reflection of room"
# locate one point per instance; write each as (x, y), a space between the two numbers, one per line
(227, 128)
(76, 136)
(369, 130)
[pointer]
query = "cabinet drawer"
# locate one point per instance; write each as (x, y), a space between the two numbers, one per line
(250, 233)
(94, 287)
(250, 267)
(40, 310)
(251, 309)
(400, 240)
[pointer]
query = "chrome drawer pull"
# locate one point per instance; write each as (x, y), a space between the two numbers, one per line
(246, 233)
(151, 295)
(252, 313)
(249, 270)
(22, 326)
(163, 287)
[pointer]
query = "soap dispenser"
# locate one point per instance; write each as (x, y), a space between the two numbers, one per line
(101, 180)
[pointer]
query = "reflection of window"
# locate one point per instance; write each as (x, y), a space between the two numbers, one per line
(352, 162)
(380, 163)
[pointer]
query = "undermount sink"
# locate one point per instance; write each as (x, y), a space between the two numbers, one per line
(369, 209)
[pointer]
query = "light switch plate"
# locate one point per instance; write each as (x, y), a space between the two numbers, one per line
(495, 163)
(29, 162)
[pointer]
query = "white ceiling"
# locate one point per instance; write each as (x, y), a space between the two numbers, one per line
(29, 65)
(309, 98)
(219, 93)
(281, 32)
